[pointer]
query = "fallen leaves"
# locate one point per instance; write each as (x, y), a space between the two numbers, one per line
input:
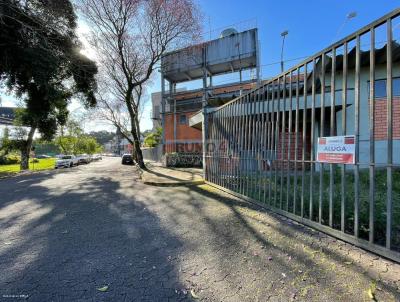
(103, 288)
(194, 294)
(371, 291)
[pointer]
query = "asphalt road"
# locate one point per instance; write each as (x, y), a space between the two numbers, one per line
(96, 233)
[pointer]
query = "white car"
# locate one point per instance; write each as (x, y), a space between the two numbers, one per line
(83, 159)
(66, 161)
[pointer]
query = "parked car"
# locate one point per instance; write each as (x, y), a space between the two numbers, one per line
(127, 159)
(83, 159)
(42, 156)
(96, 157)
(66, 161)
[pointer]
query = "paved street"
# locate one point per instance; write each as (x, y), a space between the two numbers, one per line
(66, 234)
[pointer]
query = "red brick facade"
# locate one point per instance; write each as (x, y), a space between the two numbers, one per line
(183, 132)
(282, 154)
(380, 118)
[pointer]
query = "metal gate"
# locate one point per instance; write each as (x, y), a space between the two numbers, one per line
(262, 145)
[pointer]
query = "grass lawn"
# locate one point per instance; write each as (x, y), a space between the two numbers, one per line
(259, 187)
(43, 164)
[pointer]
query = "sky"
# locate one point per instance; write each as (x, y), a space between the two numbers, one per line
(312, 25)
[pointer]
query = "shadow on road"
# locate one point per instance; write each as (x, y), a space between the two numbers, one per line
(62, 243)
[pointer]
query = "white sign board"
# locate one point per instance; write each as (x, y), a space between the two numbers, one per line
(336, 149)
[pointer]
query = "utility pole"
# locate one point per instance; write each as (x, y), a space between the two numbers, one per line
(283, 35)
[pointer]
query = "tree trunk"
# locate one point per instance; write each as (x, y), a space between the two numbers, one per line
(26, 149)
(138, 152)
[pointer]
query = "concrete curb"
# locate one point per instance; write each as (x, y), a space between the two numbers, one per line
(174, 183)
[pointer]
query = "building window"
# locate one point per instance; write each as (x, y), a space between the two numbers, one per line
(380, 88)
(182, 119)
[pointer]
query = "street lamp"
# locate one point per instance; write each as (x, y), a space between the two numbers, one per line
(349, 16)
(283, 35)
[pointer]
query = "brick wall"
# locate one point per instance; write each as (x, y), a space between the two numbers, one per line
(380, 118)
(283, 154)
(183, 132)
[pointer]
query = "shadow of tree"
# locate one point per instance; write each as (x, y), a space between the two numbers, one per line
(276, 257)
(61, 243)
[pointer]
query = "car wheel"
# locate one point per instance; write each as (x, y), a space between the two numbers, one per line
(71, 165)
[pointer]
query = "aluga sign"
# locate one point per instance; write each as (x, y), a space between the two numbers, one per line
(336, 149)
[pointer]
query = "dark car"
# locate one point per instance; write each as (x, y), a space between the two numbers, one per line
(127, 159)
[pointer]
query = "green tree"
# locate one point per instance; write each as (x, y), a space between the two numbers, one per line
(40, 61)
(73, 140)
(5, 143)
(153, 138)
(102, 136)
(130, 38)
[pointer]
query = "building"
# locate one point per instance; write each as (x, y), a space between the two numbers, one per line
(233, 52)
(280, 122)
(7, 115)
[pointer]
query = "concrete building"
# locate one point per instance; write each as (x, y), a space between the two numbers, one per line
(233, 52)
(322, 109)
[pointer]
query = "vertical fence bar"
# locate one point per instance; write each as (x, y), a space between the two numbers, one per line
(209, 148)
(296, 143)
(248, 141)
(283, 112)
(389, 90)
(224, 147)
(357, 141)
(217, 150)
(270, 103)
(273, 127)
(288, 181)
(332, 133)
(235, 120)
(217, 146)
(278, 121)
(303, 155)
(322, 128)
(228, 162)
(260, 141)
(235, 134)
(244, 147)
(212, 147)
(372, 136)
(261, 196)
(253, 144)
(263, 144)
(312, 164)
(239, 136)
(344, 104)
(232, 140)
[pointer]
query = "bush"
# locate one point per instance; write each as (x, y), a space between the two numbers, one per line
(10, 159)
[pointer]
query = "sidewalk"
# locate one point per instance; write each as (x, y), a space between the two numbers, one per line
(159, 176)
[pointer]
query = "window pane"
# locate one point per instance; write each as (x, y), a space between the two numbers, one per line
(380, 89)
(396, 87)
(182, 119)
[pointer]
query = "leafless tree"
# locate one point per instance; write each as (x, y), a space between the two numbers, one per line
(130, 36)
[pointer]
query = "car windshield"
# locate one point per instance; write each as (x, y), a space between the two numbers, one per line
(66, 157)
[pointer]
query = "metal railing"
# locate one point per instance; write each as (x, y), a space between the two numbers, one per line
(262, 145)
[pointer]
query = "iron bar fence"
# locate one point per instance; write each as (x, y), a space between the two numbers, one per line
(262, 146)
